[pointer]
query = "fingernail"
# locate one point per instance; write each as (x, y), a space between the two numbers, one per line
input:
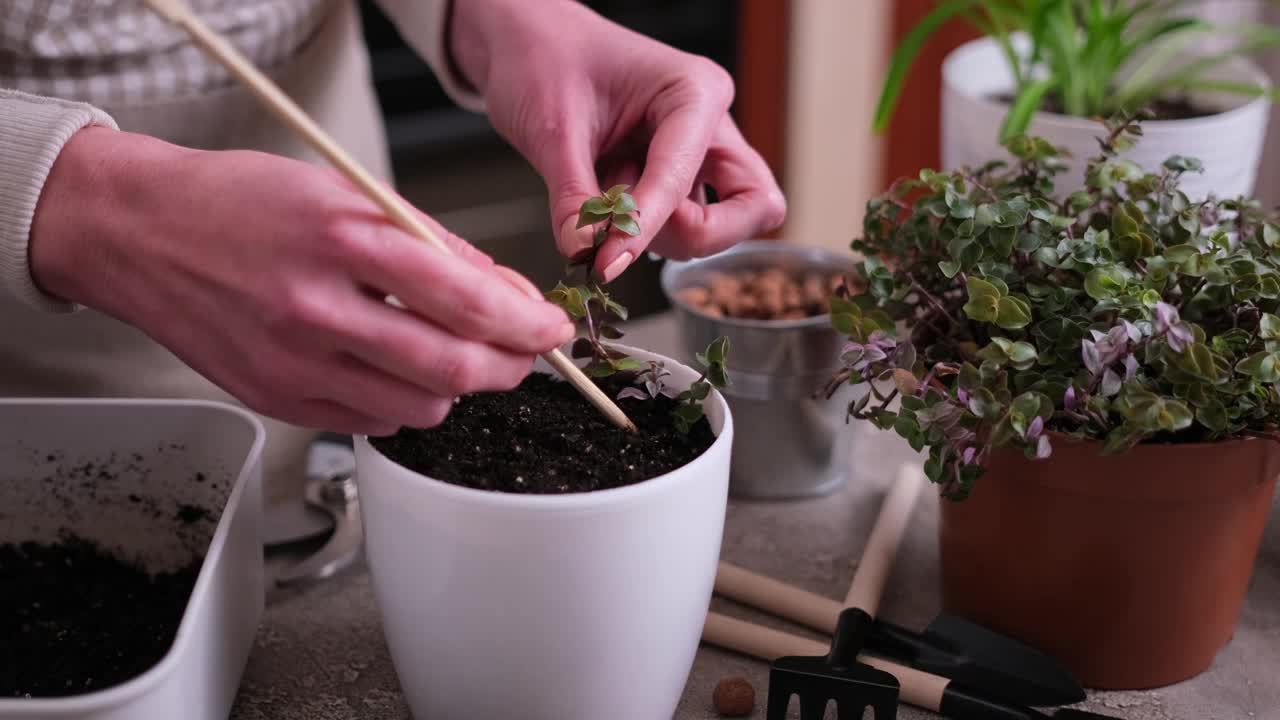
(566, 331)
(615, 268)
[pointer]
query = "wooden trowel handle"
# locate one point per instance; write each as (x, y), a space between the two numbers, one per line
(777, 598)
(882, 546)
(918, 688)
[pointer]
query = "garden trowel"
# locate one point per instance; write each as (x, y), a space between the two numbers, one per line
(951, 647)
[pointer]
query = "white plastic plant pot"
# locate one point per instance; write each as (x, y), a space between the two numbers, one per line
(150, 462)
(576, 606)
(1228, 143)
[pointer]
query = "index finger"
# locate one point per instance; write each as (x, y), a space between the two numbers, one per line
(685, 122)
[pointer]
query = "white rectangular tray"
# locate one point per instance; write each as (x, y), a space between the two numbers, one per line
(153, 451)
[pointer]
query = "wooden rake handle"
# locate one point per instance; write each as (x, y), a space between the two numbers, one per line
(886, 536)
(279, 104)
(918, 688)
(813, 610)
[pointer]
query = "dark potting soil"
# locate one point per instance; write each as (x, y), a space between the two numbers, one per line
(1175, 108)
(544, 438)
(75, 619)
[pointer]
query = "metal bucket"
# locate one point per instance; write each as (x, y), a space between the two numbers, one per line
(790, 440)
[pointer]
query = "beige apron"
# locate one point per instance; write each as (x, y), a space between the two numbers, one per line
(90, 355)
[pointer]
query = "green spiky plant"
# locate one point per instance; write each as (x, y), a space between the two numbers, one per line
(590, 303)
(1086, 55)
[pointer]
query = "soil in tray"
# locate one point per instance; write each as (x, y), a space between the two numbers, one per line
(75, 619)
(543, 437)
(1172, 108)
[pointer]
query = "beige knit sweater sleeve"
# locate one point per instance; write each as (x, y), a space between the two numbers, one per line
(34, 128)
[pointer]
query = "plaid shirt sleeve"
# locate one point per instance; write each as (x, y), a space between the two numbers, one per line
(33, 130)
(424, 24)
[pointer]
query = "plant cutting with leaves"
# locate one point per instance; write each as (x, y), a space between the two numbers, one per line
(1088, 58)
(590, 303)
(1125, 313)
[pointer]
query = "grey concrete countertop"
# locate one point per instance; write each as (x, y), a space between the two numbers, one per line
(320, 653)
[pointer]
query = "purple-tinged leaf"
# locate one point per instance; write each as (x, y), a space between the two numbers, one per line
(969, 453)
(963, 396)
(632, 393)
(1043, 447)
(1180, 337)
(1036, 428)
(1111, 383)
(1166, 317)
(1130, 367)
(1089, 354)
(1069, 399)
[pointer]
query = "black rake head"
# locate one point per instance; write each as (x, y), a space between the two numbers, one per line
(838, 677)
(816, 682)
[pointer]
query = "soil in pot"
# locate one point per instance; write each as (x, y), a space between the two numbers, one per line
(1171, 108)
(76, 618)
(763, 294)
(543, 438)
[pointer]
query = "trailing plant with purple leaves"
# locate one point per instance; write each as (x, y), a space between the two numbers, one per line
(589, 303)
(1123, 313)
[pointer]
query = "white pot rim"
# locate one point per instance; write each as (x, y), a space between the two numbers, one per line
(1246, 65)
(556, 502)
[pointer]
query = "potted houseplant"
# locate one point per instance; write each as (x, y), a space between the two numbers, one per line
(528, 556)
(1095, 382)
(1047, 67)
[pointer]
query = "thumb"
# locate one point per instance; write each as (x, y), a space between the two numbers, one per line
(569, 172)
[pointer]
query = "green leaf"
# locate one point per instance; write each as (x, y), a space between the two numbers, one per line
(1012, 313)
(1180, 253)
(1271, 235)
(624, 204)
(1213, 416)
(847, 324)
(627, 364)
(716, 375)
(615, 192)
(582, 348)
(983, 309)
(626, 224)
(980, 288)
(969, 378)
(599, 369)
(616, 309)
(950, 268)
(1104, 283)
(718, 350)
(1260, 366)
(983, 403)
(839, 305)
(905, 53)
(610, 332)
(1269, 327)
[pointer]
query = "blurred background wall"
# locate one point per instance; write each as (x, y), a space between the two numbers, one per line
(808, 73)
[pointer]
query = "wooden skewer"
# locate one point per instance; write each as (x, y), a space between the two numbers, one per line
(178, 13)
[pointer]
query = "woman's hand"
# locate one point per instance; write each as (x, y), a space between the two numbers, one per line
(590, 103)
(268, 276)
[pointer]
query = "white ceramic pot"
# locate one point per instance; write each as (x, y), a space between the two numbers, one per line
(1228, 143)
(546, 607)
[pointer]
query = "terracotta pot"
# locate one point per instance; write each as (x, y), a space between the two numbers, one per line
(1130, 569)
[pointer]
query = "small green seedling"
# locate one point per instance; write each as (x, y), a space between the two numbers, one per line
(587, 301)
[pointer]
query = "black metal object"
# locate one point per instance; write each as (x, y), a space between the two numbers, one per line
(963, 705)
(979, 658)
(838, 677)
